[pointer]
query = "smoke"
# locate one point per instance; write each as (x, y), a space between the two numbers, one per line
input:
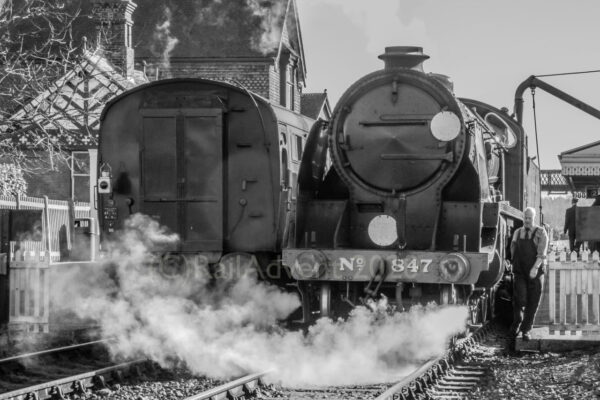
(264, 18)
(226, 328)
(272, 15)
(163, 40)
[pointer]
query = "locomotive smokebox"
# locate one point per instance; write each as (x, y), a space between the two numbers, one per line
(404, 57)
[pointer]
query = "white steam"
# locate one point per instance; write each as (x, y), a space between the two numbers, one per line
(164, 40)
(229, 327)
(272, 22)
(265, 38)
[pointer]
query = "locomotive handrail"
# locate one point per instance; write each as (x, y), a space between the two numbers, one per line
(401, 156)
(535, 82)
(395, 122)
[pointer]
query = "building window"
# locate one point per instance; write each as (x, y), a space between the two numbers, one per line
(80, 176)
(294, 182)
(289, 87)
(298, 147)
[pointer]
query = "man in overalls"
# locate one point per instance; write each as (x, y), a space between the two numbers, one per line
(528, 249)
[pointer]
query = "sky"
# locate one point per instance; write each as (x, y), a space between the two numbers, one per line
(486, 47)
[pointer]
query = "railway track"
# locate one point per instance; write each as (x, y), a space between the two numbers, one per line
(239, 388)
(74, 384)
(447, 377)
(80, 384)
(46, 373)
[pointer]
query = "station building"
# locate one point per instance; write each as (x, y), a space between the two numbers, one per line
(255, 45)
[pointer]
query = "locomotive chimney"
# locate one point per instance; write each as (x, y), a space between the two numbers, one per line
(407, 57)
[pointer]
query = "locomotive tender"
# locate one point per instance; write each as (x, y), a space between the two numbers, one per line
(411, 193)
(209, 160)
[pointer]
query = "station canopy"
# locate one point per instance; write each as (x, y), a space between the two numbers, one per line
(580, 168)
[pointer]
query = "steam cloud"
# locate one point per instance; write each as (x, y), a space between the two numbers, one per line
(164, 40)
(271, 14)
(267, 36)
(226, 328)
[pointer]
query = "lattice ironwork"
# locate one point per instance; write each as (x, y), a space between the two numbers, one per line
(554, 182)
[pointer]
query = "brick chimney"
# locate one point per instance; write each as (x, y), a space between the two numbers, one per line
(113, 32)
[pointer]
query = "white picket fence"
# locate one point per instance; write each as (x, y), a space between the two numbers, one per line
(27, 263)
(574, 293)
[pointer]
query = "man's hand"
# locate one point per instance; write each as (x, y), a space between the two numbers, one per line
(534, 269)
(533, 273)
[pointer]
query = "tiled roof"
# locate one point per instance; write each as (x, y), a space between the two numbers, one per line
(311, 104)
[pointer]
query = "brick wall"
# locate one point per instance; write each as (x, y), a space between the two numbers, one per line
(274, 79)
(253, 75)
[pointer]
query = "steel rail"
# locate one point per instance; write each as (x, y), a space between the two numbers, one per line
(66, 385)
(234, 389)
(50, 351)
(393, 391)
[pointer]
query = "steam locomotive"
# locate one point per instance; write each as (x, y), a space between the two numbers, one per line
(208, 160)
(411, 193)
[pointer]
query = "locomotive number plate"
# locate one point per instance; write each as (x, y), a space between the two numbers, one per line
(395, 265)
(411, 264)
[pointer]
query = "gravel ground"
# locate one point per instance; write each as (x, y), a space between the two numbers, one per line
(529, 375)
(170, 385)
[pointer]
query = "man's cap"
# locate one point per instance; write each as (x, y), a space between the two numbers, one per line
(574, 201)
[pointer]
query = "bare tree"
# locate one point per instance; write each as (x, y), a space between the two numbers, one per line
(36, 51)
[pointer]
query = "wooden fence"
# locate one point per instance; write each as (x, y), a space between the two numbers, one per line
(29, 297)
(573, 294)
(56, 217)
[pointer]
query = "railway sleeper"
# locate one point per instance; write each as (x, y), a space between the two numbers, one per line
(56, 393)
(135, 372)
(236, 393)
(98, 382)
(117, 376)
(458, 382)
(456, 378)
(251, 387)
(467, 372)
(447, 396)
(78, 387)
(453, 388)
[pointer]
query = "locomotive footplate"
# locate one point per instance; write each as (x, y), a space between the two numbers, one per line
(395, 266)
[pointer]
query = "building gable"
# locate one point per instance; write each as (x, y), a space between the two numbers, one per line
(292, 38)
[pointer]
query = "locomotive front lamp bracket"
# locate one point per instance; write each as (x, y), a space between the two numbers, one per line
(104, 181)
